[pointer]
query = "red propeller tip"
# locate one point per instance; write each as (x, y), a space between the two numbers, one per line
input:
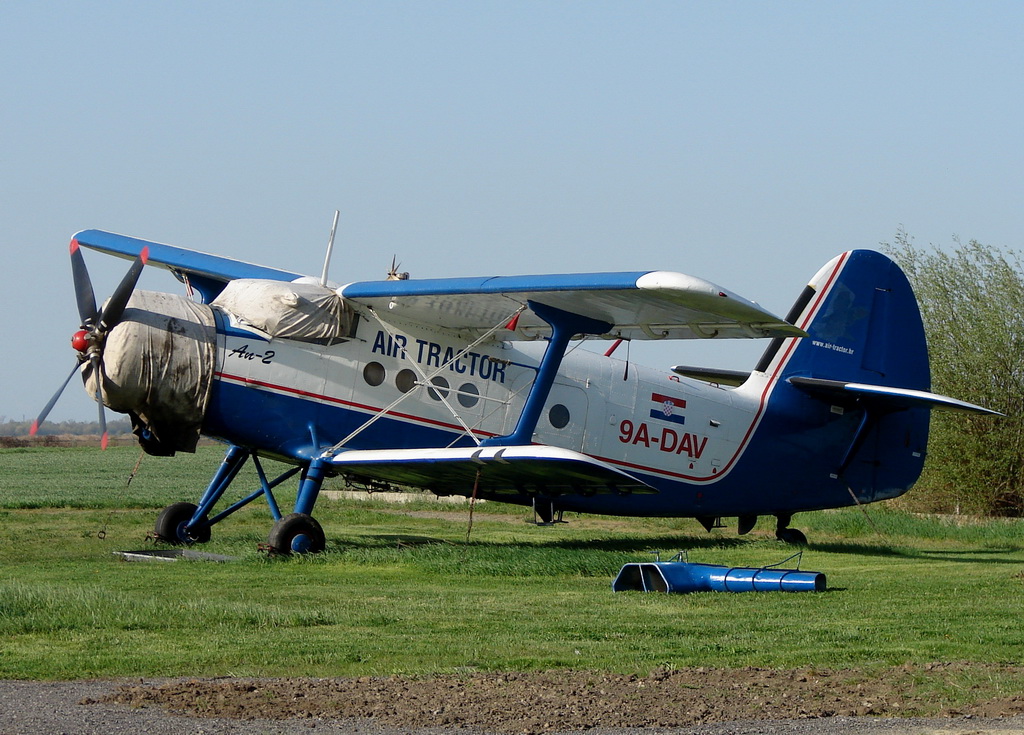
(104, 441)
(74, 245)
(144, 255)
(34, 429)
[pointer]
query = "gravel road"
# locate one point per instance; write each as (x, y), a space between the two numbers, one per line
(75, 708)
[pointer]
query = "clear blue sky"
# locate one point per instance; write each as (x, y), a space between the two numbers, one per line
(746, 143)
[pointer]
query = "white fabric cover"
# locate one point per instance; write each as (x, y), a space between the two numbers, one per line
(299, 311)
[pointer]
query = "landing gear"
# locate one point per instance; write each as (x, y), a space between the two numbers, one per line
(545, 513)
(787, 535)
(297, 532)
(171, 525)
(294, 533)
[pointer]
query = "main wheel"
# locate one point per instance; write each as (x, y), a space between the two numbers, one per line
(298, 533)
(170, 525)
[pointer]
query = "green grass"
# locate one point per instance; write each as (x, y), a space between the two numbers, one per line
(404, 592)
(85, 477)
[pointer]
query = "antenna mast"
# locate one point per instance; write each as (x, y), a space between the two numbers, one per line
(330, 249)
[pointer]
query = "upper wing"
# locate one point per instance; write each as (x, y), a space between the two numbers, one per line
(492, 470)
(638, 305)
(206, 273)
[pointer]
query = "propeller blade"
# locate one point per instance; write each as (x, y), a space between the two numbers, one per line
(98, 373)
(104, 438)
(114, 309)
(84, 294)
(53, 401)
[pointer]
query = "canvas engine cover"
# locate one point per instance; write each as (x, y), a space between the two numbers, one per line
(158, 364)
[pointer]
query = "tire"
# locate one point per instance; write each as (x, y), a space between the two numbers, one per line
(792, 536)
(170, 525)
(298, 533)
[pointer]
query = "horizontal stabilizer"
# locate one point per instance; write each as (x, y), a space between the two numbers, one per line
(713, 375)
(502, 470)
(895, 397)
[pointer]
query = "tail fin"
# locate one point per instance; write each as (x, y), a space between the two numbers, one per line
(866, 362)
(864, 325)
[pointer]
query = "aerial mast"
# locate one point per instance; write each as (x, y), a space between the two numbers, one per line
(330, 248)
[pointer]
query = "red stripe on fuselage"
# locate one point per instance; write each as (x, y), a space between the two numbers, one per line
(773, 379)
(341, 402)
(765, 394)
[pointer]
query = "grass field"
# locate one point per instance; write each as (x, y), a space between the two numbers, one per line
(401, 590)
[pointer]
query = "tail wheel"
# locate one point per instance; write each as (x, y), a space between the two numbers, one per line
(297, 533)
(170, 525)
(792, 536)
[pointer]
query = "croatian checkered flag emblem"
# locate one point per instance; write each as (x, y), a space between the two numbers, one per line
(669, 408)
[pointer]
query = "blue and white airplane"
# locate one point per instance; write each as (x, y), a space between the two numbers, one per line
(474, 387)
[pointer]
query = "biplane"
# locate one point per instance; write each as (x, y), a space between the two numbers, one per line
(476, 387)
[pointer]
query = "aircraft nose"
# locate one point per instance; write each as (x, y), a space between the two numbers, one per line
(158, 367)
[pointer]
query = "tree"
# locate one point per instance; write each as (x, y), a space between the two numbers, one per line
(972, 304)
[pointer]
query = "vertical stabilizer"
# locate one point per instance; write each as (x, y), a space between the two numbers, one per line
(863, 323)
(864, 327)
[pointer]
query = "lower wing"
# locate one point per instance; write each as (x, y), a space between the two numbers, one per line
(490, 470)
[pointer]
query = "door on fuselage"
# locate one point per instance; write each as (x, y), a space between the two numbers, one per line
(562, 422)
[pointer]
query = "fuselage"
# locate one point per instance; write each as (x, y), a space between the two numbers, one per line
(701, 446)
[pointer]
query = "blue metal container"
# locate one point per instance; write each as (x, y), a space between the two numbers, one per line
(681, 576)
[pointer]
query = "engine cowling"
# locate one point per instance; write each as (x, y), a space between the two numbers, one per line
(158, 365)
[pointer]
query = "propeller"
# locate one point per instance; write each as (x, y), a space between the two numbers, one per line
(96, 324)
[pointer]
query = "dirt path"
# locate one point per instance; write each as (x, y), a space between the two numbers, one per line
(713, 701)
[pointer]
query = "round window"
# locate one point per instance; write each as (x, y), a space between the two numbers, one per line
(441, 391)
(559, 416)
(374, 373)
(405, 380)
(469, 395)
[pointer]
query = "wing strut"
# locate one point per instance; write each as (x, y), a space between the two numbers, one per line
(564, 326)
